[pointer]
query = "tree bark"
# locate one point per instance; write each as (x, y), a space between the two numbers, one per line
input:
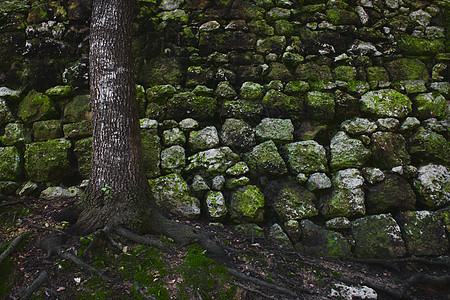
(117, 186)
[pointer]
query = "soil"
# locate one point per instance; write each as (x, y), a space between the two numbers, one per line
(132, 271)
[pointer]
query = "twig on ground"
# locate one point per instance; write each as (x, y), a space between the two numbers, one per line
(43, 276)
(12, 247)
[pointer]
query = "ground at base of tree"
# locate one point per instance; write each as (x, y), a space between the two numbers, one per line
(121, 269)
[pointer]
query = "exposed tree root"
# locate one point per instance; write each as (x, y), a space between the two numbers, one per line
(12, 247)
(401, 292)
(139, 239)
(12, 202)
(260, 282)
(253, 291)
(43, 276)
(80, 263)
(414, 259)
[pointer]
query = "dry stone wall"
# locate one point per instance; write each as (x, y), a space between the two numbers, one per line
(322, 124)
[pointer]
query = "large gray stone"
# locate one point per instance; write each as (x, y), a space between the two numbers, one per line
(305, 157)
(378, 236)
(278, 130)
(389, 150)
(392, 194)
(347, 152)
(316, 240)
(173, 159)
(347, 198)
(212, 162)
(291, 201)
(433, 185)
(237, 134)
(423, 232)
(264, 159)
(247, 205)
(171, 193)
(204, 139)
(386, 103)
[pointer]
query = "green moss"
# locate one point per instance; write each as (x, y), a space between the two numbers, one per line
(418, 46)
(247, 204)
(206, 276)
(48, 160)
(36, 106)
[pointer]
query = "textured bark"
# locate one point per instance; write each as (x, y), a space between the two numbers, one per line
(118, 188)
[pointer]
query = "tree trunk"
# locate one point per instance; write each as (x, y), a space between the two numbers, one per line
(118, 193)
(117, 186)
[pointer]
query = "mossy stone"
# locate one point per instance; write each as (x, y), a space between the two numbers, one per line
(389, 150)
(291, 201)
(426, 145)
(83, 153)
(339, 16)
(247, 205)
(430, 105)
(246, 110)
(316, 240)
(237, 134)
(47, 130)
(278, 71)
(386, 103)
(344, 73)
(251, 91)
(264, 159)
(11, 163)
(59, 92)
(305, 157)
(261, 28)
(78, 130)
(410, 45)
(216, 206)
(171, 193)
(203, 139)
(347, 198)
(407, 69)
(424, 233)
(310, 71)
(77, 110)
(36, 107)
(392, 194)
(320, 106)
(277, 130)
(160, 93)
(378, 77)
(378, 236)
(347, 152)
(433, 185)
(212, 162)
(48, 160)
(273, 44)
(6, 115)
(173, 159)
(15, 134)
(284, 27)
(296, 88)
(281, 105)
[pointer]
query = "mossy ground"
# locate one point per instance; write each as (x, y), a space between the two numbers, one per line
(179, 271)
